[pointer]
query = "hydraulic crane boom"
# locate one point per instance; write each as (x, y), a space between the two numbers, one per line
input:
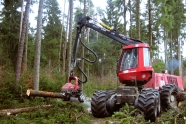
(105, 30)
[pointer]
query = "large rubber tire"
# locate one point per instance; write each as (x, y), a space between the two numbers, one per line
(148, 104)
(98, 103)
(158, 101)
(168, 96)
(111, 101)
(110, 93)
(157, 94)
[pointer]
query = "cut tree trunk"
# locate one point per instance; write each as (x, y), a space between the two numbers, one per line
(8, 112)
(43, 94)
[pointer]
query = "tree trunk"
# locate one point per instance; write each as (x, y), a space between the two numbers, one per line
(43, 94)
(60, 45)
(165, 46)
(25, 52)
(21, 21)
(38, 47)
(179, 57)
(124, 15)
(65, 46)
(83, 40)
(7, 112)
(138, 19)
(65, 42)
(150, 22)
(97, 34)
(21, 45)
(70, 38)
(49, 63)
(88, 33)
(130, 17)
(61, 38)
(171, 57)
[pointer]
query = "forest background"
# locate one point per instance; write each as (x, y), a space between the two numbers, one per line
(39, 58)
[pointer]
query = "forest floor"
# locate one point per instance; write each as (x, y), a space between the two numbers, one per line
(79, 113)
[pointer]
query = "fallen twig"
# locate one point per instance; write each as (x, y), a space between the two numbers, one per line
(78, 115)
(7, 112)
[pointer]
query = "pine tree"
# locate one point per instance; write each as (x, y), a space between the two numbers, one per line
(51, 33)
(9, 32)
(62, 45)
(38, 47)
(70, 38)
(21, 44)
(137, 4)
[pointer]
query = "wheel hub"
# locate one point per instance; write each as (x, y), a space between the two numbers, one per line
(173, 101)
(172, 98)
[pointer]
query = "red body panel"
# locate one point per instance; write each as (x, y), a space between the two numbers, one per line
(142, 74)
(160, 79)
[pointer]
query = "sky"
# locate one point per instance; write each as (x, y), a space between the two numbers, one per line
(101, 4)
(97, 3)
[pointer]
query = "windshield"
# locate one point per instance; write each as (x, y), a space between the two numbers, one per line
(146, 57)
(130, 59)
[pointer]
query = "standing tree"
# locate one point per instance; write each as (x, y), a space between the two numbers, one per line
(132, 14)
(131, 18)
(125, 16)
(83, 39)
(21, 44)
(166, 21)
(151, 19)
(25, 56)
(61, 38)
(150, 22)
(70, 38)
(65, 46)
(138, 19)
(51, 33)
(123, 9)
(21, 20)
(38, 47)
(179, 25)
(9, 32)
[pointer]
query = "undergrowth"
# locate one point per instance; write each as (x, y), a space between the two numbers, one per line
(108, 82)
(60, 113)
(69, 112)
(129, 115)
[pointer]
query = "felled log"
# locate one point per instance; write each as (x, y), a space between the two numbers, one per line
(8, 112)
(31, 92)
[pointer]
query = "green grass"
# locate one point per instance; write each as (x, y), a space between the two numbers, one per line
(108, 82)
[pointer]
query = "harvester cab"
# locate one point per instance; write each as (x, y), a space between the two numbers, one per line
(134, 65)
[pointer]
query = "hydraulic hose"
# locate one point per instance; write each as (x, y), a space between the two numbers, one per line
(95, 55)
(90, 61)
